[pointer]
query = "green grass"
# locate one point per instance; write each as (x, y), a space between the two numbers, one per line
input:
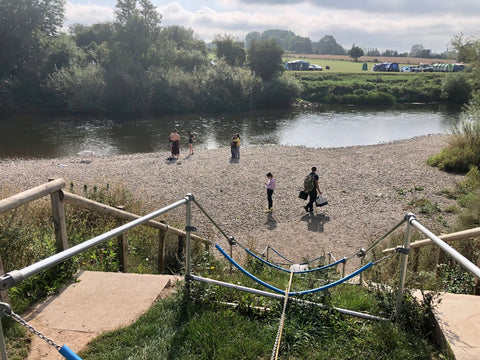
(196, 325)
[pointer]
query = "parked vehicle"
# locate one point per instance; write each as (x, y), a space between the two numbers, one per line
(386, 67)
(315, 67)
(298, 65)
(405, 69)
(426, 67)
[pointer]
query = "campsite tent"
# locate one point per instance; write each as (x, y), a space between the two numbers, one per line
(298, 65)
(386, 67)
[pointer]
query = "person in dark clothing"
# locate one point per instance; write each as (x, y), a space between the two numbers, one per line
(313, 193)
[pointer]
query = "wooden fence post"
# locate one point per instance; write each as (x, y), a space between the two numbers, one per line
(181, 246)
(476, 289)
(122, 245)
(59, 222)
(161, 251)
(415, 257)
(440, 260)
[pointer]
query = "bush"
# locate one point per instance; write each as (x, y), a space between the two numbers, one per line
(456, 88)
(463, 150)
(279, 93)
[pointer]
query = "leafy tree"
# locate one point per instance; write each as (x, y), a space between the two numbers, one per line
(85, 35)
(419, 51)
(26, 27)
(137, 28)
(252, 36)
(182, 37)
(328, 45)
(265, 58)
(355, 52)
(230, 50)
(301, 45)
(79, 88)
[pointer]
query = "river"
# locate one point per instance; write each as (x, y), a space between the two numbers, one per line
(327, 126)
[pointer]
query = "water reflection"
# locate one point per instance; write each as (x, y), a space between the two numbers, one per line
(331, 126)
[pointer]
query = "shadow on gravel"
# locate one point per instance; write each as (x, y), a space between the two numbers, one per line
(271, 222)
(315, 222)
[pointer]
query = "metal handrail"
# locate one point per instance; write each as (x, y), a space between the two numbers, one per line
(14, 277)
(459, 258)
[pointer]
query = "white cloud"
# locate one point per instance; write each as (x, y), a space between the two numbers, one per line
(87, 14)
(396, 25)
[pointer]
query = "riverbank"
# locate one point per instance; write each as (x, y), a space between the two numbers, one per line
(369, 188)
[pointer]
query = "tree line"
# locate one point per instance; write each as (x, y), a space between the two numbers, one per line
(328, 45)
(134, 65)
(130, 65)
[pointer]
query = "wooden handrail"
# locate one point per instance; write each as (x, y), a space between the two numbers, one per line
(32, 194)
(82, 202)
(464, 234)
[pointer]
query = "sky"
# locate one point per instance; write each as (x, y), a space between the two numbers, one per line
(382, 24)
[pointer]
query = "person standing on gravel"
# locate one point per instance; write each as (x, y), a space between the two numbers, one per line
(311, 186)
(270, 185)
(190, 142)
(236, 140)
(175, 139)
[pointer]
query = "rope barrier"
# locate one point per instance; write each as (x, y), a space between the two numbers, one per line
(64, 350)
(283, 257)
(290, 261)
(276, 347)
(296, 272)
(273, 288)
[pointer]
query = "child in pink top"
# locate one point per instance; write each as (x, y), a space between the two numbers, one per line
(270, 185)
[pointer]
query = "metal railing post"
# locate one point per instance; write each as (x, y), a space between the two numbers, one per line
(188, 230)
(3, 347)
(403, 266)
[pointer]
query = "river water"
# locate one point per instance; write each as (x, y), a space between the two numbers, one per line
(328, 126)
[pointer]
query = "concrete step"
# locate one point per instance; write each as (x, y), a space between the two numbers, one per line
(458, 317)
(98, 302)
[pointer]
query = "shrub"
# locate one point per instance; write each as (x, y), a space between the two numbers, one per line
(463, 150)
(456, 88)
(280, 92)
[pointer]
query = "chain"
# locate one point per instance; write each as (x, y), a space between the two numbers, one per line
(384, 258)
(31, 328)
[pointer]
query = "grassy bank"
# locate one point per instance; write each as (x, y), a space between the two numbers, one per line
(370, 88)
(203, 323)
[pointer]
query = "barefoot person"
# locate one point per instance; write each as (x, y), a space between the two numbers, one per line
(175, 139)
(270, 185)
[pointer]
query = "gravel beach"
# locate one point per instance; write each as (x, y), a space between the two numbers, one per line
(369, 189)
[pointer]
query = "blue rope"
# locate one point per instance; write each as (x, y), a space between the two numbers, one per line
(310, 261)
(296, 272)
(68, 353)
(283, 257)
(266, 262)
(245, 272)
(335, 283)
(290, 261)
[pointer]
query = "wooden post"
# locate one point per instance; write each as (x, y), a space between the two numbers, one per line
(416, 255)
(476, 289)
(181, 246)
(161, 251)
(3, 294)
(60, 225)
(122, 245)
(440, 259)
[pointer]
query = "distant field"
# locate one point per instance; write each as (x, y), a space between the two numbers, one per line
(343, 63)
